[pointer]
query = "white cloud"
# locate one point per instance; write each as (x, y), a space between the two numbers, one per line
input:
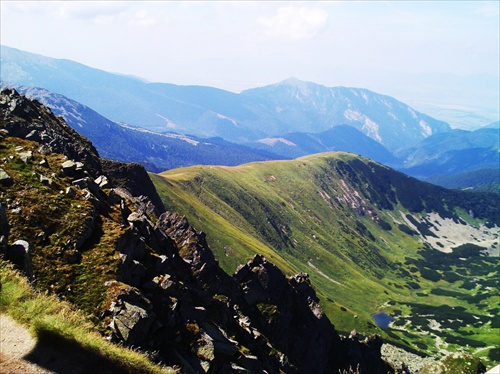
(95, 11)
(297, 23)
(143, 18)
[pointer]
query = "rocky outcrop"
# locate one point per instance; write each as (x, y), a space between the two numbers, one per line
(28, 119)
(166, 294)
(134, 178)
(289, 313)
(5, 178)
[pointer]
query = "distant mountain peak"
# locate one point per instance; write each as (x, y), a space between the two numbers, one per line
(292, 81)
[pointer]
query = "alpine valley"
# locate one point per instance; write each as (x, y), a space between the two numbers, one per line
(279, 230)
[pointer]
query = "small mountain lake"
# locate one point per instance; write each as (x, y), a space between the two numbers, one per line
(382, 320)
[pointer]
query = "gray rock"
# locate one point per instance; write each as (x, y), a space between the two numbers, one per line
(102, 181)
(34, 135)
(79, 166)
(87, 183)
(135, 219)
(17, 210)
(134, 320)
(132, 245)
(70, 191)
(26, 156)
(131, 272)
(45, 180)
(85, 232)
(249, 362)
(5, 179)
(192, 313)
(68, 167)
(3, 133)
(20, 254)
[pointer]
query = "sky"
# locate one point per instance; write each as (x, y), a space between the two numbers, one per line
(441, 48)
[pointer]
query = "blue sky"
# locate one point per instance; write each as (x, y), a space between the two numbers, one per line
(237, 45)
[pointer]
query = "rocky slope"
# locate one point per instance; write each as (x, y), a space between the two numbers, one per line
(95, 233)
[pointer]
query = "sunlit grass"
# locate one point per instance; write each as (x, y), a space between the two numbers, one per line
(46, 315)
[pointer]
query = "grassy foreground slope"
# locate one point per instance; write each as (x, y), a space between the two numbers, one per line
(367, 236)
(58, 326)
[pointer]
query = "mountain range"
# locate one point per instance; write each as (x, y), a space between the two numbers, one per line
(289, 106)
(286, 120)
(362, 239)
(157, 152)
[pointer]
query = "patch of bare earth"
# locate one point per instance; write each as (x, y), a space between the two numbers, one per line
(15, 344)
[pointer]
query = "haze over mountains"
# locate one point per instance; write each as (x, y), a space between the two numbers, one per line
(284, 120)
(289, 106)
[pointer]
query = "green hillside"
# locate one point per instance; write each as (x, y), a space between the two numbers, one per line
(367, 236)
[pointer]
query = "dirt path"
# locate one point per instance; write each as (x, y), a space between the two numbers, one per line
(20, 353)
(16, 343)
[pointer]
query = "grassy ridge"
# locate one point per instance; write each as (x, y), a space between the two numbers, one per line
(337, 217)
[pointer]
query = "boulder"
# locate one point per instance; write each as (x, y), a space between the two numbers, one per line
(85, 232)
(70, 191)
(102, 181)
(132, 245)
(46, 181)
(68, 167)
(133, 320)
(131, 272)
(25, 156)
(87, 183)
(19, 253)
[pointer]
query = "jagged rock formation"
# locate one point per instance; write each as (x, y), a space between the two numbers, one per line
(98, 236)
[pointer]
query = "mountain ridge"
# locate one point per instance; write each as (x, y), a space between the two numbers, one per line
(156, 151)
(356, 227)
(206, 111)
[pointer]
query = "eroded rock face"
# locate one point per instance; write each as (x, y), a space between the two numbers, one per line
(134, 178)
(290, 314)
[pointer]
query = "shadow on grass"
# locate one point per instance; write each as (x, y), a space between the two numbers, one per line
(61, 355)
